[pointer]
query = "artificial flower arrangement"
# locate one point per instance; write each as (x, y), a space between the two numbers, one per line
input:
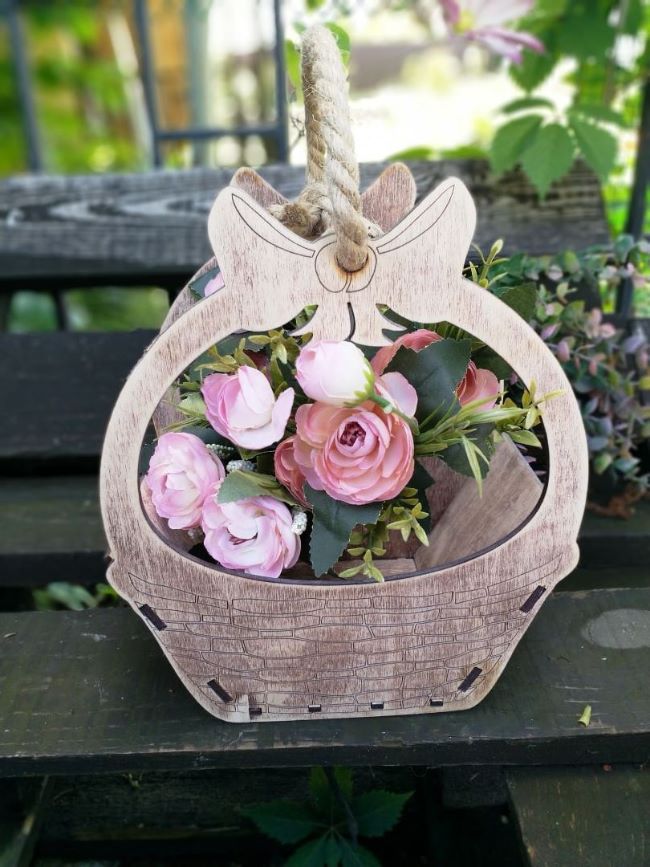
(269, 436)
(283, 437)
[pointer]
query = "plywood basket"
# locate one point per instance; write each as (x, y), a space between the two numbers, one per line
(437, 634)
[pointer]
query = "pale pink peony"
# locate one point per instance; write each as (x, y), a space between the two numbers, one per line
(241, 407)
(481, 21)
(400, 392)
(287, 471)
(476, 383)
(334, 372)
(214, 285)
(252, 535)
(359, 455)
(182, 472)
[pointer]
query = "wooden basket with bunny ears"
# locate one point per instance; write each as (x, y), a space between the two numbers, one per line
(437, 634)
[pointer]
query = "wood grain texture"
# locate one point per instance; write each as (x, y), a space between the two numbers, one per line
(593, 816)
(89, 692)
(61, 387)
(58, 231)
(434, 641)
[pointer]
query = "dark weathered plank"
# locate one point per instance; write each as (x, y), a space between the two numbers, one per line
(91, 692)
(151, 228)
(52, 531)
(61, 388)
(594, 816)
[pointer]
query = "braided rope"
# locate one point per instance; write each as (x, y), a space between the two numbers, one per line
(331, 196)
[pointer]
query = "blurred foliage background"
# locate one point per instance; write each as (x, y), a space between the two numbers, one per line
(423, 85)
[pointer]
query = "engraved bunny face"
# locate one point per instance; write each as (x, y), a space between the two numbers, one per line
(247, 648)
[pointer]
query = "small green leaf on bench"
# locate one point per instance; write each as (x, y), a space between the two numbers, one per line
(585, 716)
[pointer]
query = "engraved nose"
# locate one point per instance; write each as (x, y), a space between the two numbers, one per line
(335, 279)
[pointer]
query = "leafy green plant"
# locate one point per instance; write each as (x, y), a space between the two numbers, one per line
(328, 826)
(583, 38)
(607, 366)
(62, 594)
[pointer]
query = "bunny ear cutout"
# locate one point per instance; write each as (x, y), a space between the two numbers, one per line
(390, 198)
(257, 188)
(444, 221)
(386, 201)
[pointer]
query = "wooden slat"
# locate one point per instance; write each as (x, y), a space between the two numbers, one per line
(151, 228)
(52, 531)
(593, 816)
(90, 692)
(61, 388)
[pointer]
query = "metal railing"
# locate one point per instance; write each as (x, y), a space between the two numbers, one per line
(275, 131)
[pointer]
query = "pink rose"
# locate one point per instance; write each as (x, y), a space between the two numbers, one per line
(252, 535)
(415, 340)
(214, 285)
(241, 406)
(476, 383)
(287, 471)
(334, 372)
(360, 455)
(182, 473)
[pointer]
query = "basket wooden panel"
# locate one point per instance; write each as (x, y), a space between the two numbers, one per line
(437, 640)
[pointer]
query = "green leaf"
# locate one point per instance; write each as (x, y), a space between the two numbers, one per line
(316, 853)
(356, 856)
(526, 102)
(511, 140)
(321, 792)
(421, 480)
(292, 63)
(342, 40)
(586, 31)
(548, 157)
(418, 152)
(241, 484)
(456, 457)
(284, 821)
(598, 111)
(333, 523)
(434, 372)
(522, 299)
(598, 146)
(535, 68)
(378, 811)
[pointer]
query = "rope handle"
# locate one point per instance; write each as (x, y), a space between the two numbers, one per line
(331, 195)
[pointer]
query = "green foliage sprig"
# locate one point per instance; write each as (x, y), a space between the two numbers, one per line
(328, 826)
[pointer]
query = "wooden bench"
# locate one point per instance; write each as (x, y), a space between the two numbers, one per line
(87, 697)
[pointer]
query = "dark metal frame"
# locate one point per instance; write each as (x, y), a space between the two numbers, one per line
(276, 130)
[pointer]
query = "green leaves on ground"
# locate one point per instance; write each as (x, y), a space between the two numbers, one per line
(327, 826)
(243, 483)
(284, 821)
(333, 522)
(434, 372)
(378, 811)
